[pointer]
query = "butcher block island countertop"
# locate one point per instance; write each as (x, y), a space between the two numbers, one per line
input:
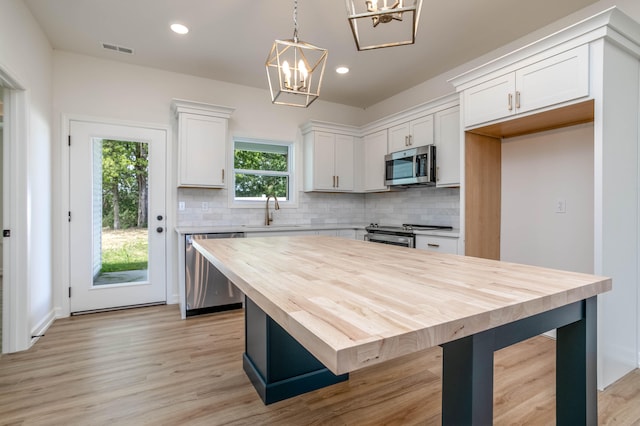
(353, 303)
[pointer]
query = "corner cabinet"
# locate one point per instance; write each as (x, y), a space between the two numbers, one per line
(329, 157)
(558, 78)
(202, 143)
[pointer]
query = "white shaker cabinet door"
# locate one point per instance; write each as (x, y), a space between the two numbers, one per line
(202, 150)
(323, 158)
(490, 100)
(421, 131)
(375, 148)
(447, 140)
(344, 163)
(399, 137)
(557, 79)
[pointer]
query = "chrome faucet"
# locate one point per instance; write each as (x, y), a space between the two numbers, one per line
(267, 217)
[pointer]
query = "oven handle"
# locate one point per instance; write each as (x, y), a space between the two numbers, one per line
(397, 240)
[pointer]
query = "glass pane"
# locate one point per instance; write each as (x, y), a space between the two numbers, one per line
(259, 160)
(120, 211)
(259, 186)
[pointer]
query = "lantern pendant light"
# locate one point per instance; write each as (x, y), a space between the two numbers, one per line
(295, 69)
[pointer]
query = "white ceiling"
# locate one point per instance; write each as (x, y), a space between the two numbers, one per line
(229, 39)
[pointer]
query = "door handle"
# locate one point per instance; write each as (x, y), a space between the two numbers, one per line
(159, 229)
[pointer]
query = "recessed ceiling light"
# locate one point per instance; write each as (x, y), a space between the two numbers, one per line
(179, 28)
(342, 70)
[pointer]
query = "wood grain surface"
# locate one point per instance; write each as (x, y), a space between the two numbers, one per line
(354, 303)
(147, 366)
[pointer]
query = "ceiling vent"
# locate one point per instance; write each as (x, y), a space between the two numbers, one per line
(116, 48)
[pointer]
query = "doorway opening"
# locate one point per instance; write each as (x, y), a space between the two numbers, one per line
(120, 209)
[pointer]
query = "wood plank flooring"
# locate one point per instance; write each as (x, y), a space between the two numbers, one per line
(146, 366)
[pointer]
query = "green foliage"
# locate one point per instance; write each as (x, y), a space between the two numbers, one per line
(131, 256)
(122, 164)
(250, 184)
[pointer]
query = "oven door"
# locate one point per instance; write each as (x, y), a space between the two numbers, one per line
(394, 240)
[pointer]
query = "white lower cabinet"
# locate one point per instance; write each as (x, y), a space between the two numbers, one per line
(437, 244)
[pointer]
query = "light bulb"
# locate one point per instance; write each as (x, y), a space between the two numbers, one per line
(287, 73)
(303, 72)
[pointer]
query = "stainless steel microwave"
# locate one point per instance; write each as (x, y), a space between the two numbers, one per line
(416, 166)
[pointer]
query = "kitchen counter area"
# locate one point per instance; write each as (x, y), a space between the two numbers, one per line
(332, 298)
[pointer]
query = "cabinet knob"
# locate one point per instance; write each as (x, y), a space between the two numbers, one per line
(159, 217)
(159, 229)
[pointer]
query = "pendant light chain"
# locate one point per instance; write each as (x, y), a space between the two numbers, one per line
(295, 21)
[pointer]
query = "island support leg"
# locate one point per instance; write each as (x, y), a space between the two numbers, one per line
(576, 381)
(467, 366)
(278, 366)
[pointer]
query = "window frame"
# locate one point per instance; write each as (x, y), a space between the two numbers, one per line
(260, 203)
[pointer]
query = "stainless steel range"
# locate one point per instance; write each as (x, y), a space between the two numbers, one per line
(403, 235)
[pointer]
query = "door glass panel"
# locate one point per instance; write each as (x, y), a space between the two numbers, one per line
(120, 212)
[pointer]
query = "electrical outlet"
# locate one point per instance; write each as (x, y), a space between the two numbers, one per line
(205, 206)
(561, 206)
(181, 206)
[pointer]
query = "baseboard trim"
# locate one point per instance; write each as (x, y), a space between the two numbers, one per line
(41, 328)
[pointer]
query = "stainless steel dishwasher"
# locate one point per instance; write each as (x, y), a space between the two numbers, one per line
(207, 290)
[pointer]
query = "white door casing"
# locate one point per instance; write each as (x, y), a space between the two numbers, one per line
(84, 295)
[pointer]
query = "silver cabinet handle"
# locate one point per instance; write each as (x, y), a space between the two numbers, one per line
(510, 102)
(222, 175)
(334, 182)
(337, 181)
(433, 245)
(517, 100)
(437, 173)
(410, 140)
(406, 141)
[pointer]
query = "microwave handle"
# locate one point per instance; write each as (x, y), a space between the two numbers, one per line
(416, 161)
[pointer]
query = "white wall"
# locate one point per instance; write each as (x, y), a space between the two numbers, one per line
(539, 170)
(26, 55)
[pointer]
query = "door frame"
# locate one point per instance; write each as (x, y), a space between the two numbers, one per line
(16, 333)
(62, 305)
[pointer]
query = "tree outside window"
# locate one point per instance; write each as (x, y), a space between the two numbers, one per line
(261, 169)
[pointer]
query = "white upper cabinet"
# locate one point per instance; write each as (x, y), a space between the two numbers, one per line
(202, 144)
(556, 79)
(375, 148)
(415, 133)
(329, 161)
(447, 141)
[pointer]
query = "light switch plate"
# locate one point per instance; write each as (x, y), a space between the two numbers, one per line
(561, 205)
(181, 206)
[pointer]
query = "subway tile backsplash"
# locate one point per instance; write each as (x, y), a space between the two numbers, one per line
(436, 206)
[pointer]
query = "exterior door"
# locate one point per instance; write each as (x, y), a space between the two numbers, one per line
(116, 216)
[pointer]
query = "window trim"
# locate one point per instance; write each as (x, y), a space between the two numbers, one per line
(292, 202)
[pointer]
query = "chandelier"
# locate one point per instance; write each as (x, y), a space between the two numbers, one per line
(295, 69)
(399, 19)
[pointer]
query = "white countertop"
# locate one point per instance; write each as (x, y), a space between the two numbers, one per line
(184, 230)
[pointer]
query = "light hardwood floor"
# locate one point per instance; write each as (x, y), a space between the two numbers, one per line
(146, 366)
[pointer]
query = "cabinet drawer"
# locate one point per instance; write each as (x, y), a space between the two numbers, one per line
(437, 244)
